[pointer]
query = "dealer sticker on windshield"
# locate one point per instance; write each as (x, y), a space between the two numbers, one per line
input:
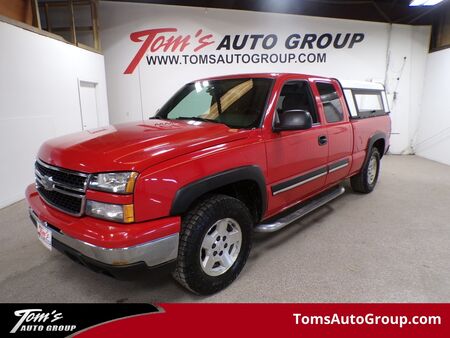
(45, 235)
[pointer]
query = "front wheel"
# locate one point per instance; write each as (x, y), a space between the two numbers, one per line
(367, 178)
(214, 244)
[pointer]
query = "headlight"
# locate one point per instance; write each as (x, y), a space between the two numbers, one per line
(113, 212)
(120, 183)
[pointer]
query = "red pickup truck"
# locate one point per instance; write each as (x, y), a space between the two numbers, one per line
(224, 157)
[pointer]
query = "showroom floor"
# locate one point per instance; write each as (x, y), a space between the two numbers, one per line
(389, 246)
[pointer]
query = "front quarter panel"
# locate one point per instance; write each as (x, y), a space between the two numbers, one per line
(157, 186)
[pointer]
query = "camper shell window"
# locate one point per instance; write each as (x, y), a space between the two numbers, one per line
(365, 103)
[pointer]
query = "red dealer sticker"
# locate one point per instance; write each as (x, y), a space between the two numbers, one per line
(282, 320)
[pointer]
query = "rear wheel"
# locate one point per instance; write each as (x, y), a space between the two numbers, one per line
(367, 178)
(214, 244)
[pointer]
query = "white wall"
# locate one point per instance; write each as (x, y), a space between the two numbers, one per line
(407, 55)
(401, 49)
(39, 99)
(433, 133)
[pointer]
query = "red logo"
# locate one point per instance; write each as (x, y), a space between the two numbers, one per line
(154, 40)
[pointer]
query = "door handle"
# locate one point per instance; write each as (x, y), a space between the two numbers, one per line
(322, 140)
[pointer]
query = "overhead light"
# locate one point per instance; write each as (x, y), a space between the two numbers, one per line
(416, 3)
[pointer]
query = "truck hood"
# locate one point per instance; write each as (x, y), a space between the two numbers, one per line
(134, 146)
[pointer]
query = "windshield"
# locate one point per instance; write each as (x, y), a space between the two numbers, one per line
(238, 103)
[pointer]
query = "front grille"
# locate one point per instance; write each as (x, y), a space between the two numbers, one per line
(64, 189)
(64, 177)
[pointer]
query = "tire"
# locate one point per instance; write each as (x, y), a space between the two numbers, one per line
(365, 181)
(209, 260)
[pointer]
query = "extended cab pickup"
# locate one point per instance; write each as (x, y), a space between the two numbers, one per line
(224, 157)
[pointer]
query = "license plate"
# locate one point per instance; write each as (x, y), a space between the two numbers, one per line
(44, 234)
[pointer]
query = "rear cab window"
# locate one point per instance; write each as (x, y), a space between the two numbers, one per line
(331, 102)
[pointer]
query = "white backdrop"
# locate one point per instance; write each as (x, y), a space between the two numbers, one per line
(432, 139)
(39, 100)
(397, 53)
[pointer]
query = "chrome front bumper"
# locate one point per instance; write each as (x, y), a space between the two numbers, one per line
(152, 253)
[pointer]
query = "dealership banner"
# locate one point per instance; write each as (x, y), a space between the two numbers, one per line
(225, 320)
(228, 49)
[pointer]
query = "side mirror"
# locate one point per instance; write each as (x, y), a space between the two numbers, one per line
(294, 119)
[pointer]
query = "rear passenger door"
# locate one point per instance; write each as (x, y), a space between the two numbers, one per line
(339, 130)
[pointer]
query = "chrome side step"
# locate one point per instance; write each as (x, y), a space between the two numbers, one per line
(302, 211)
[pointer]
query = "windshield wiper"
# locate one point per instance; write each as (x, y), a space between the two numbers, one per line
(195, 118)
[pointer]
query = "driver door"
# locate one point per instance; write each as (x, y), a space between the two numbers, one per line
(296, 160)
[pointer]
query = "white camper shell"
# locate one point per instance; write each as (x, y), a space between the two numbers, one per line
(365, 99)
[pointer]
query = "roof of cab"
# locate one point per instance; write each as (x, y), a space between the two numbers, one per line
(261, 75)
(352, 84)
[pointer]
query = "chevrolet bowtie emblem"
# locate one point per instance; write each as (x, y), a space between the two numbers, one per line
(47, 182)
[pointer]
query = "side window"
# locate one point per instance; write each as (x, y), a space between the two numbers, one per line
(369, 103)
(330, 100)
(366, 102)
(297, 95)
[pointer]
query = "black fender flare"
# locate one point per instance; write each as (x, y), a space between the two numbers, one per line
(372, 140)
(186, 195)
